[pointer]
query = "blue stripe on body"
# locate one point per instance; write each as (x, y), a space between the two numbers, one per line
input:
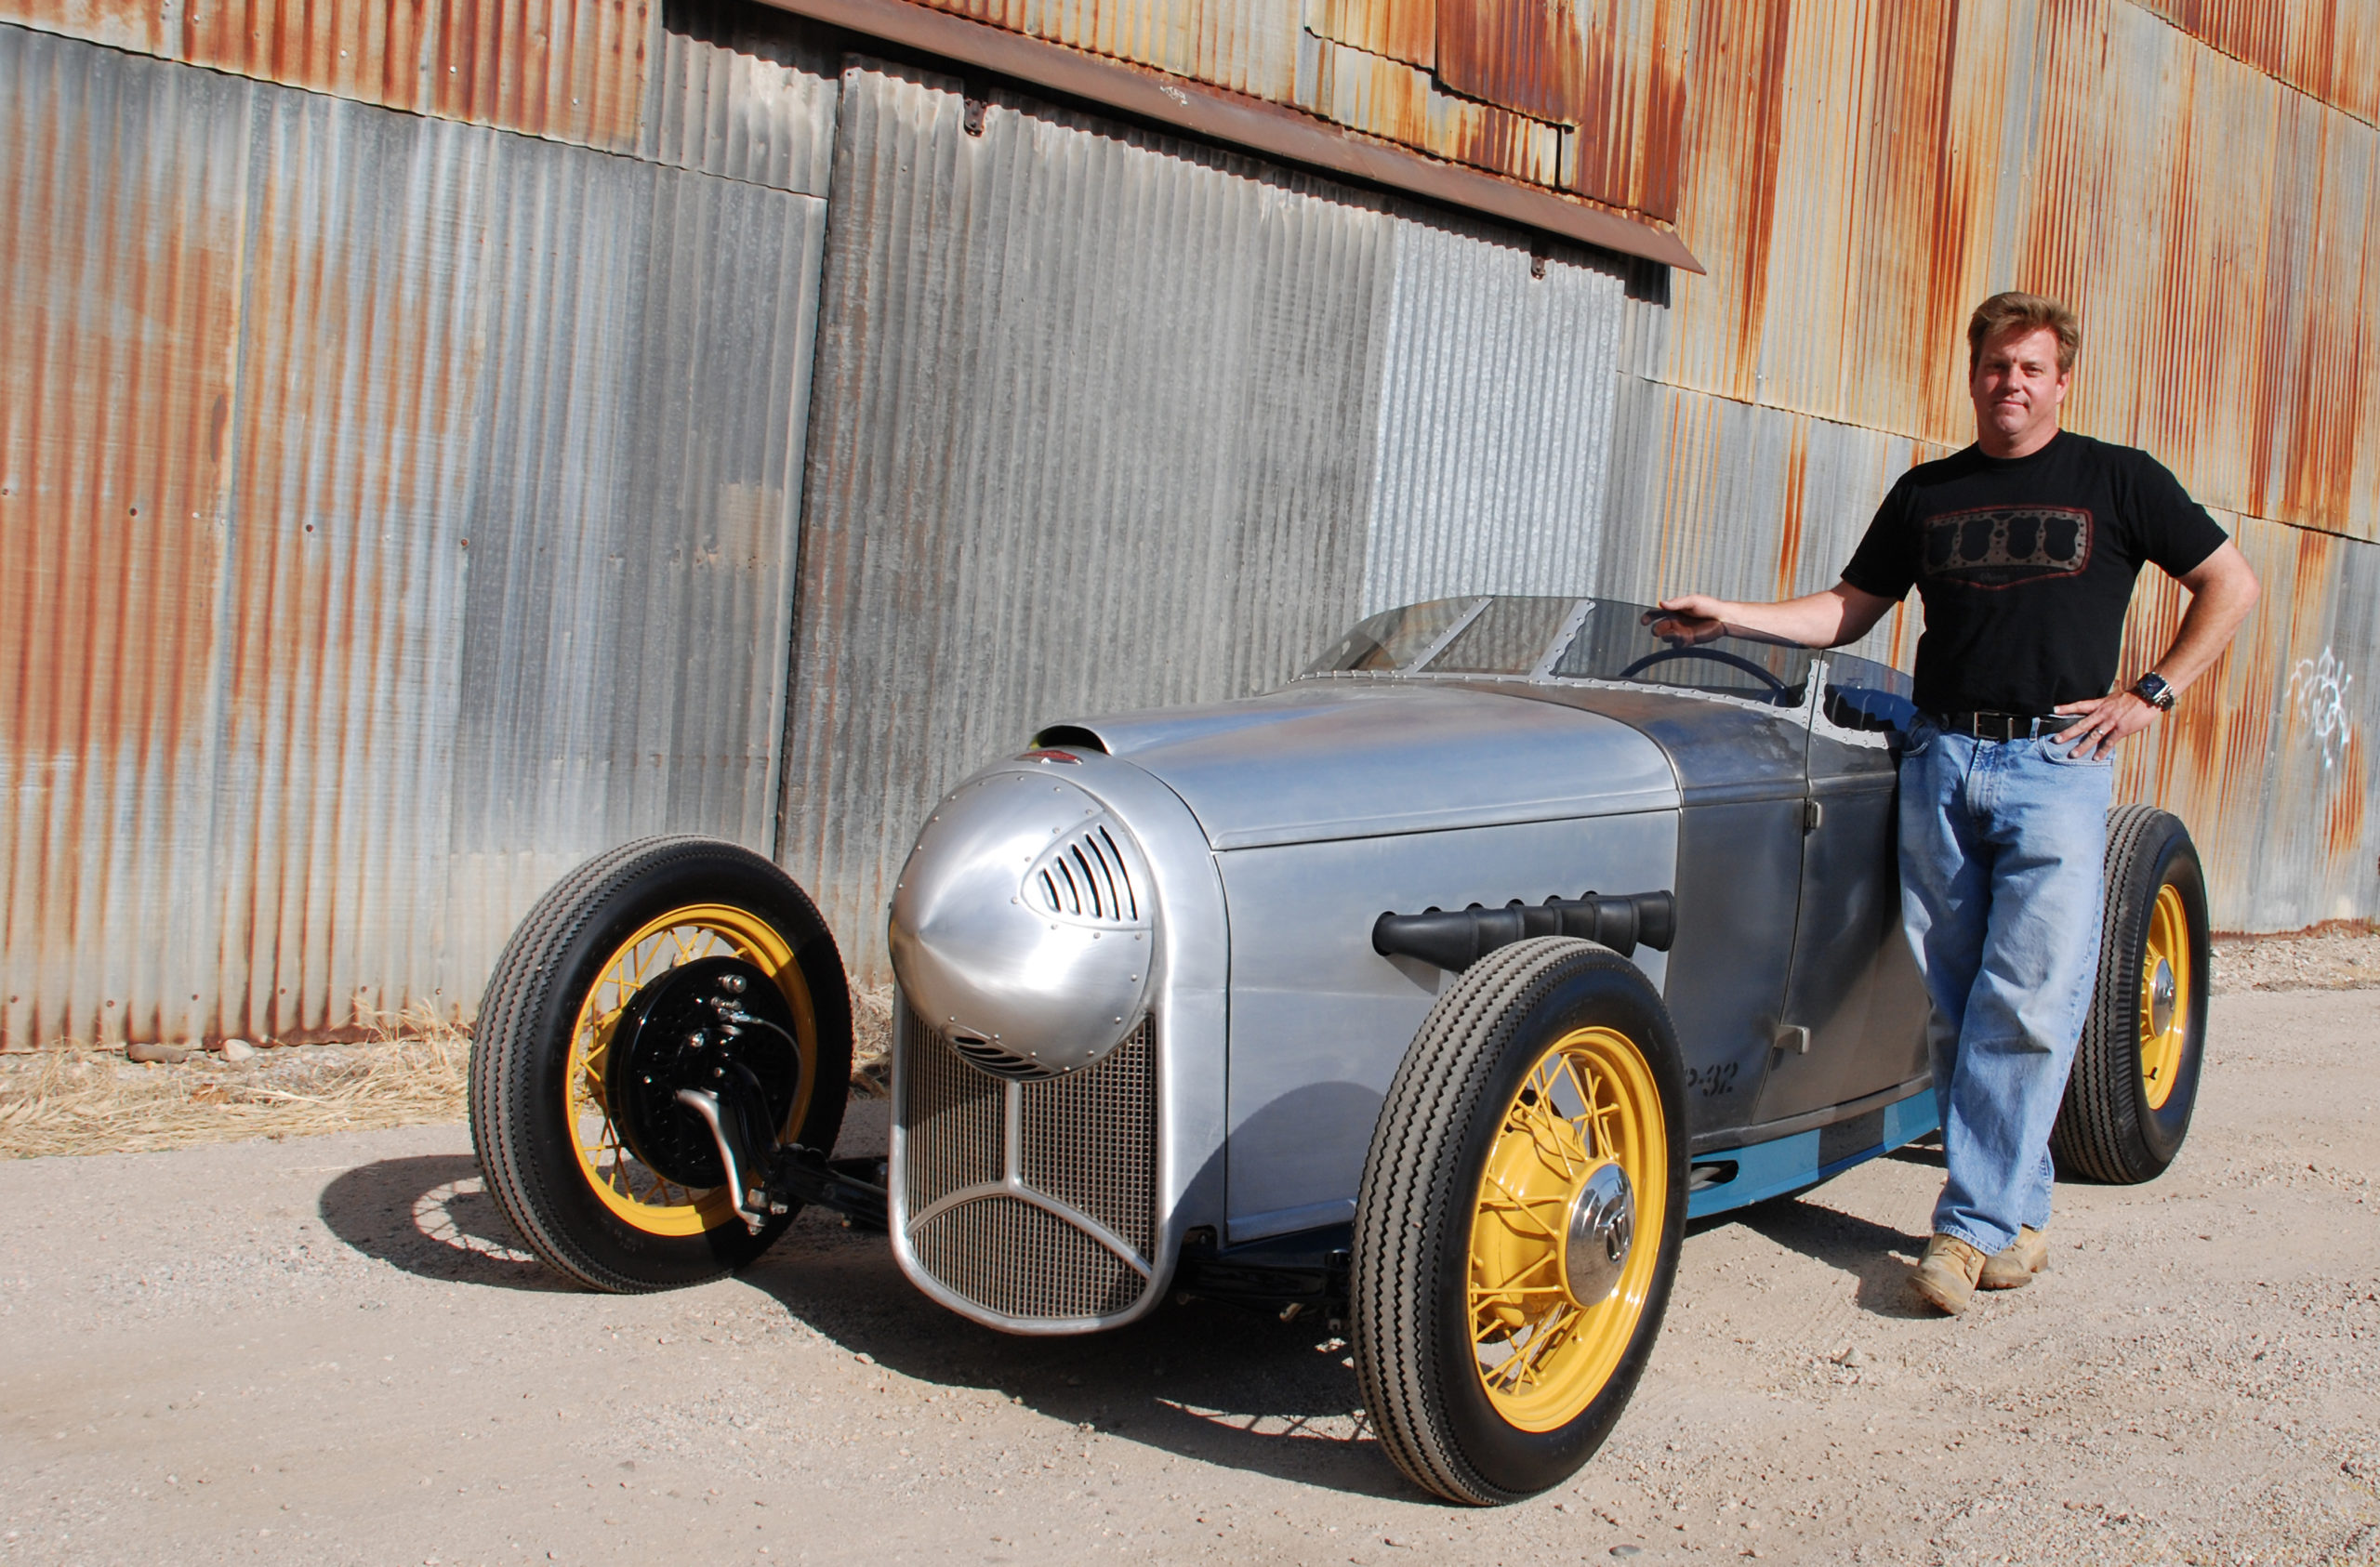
(1789, 1163)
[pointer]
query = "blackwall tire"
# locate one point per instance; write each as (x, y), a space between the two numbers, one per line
(1466, 1171)
(539, 1123)
(2136, 1075)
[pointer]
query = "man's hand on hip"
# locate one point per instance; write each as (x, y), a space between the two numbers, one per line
(2106, 720)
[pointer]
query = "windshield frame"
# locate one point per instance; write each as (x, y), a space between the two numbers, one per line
(1543, 668)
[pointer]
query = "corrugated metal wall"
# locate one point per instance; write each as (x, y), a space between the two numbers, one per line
(394, 539)
(403, 462)
(2202, 187)
(1104, 420)
(1858, 175)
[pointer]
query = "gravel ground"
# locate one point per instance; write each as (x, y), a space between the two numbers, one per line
(330, 1350)
(2337, 958)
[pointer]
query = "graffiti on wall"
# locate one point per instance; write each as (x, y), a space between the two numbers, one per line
(2318, 696)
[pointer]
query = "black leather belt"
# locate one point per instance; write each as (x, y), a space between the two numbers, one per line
(2002, 725)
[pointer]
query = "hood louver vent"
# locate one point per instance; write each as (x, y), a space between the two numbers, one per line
(1086, 877)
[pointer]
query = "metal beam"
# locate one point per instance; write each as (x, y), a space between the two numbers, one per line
(1270, 129)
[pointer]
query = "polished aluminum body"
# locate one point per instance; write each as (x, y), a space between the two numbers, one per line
(1022, 924)
(1479, 763)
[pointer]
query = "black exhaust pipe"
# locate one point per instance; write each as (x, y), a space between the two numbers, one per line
(1456, 939)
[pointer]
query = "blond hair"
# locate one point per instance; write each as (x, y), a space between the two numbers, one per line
(2023, 313)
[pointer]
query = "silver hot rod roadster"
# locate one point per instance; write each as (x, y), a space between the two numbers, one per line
(1434, 994)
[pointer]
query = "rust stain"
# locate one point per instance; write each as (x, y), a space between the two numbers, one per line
(2329, 49)
(1401, 30)
(1732, 143)
(1788, 537)
(115, 341)
(573, 70)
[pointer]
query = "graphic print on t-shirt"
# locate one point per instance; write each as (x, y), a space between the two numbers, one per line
(2002, 545)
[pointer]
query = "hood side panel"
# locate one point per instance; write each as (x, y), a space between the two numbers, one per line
(1326, 760)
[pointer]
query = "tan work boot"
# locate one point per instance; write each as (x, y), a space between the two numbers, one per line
(2013, 1266)
(1946, 1275)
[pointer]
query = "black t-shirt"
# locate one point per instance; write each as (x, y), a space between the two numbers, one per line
(2026, 566)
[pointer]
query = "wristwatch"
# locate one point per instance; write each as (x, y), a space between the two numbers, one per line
(2151, 687)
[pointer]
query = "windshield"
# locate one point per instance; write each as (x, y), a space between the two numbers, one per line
(1569, 638)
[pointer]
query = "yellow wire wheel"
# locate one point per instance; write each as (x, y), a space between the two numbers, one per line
(640, 1195)
(2165, 995)
(560, 1157)
(1517, 1225)
(1557, 1286)
(2135, 1073)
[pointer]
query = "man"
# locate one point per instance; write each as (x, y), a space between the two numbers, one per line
(2023, 549)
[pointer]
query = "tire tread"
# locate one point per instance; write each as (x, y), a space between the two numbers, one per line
(1408, 1193)
(505, 1054)
(2097, 1134)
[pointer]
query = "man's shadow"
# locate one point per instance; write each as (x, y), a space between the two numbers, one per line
(1877, 1256)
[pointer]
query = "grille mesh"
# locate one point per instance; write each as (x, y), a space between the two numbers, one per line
(1013, 1258)
(1090, 1139)
(951, 1122)
(1087, 1139)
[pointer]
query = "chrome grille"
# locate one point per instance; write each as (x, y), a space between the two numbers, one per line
(1086, 877)
(1086, 1141)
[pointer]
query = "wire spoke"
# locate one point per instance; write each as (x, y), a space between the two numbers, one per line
(1512, 1284)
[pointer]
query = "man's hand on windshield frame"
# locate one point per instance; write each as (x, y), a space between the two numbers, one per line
(1686, 620)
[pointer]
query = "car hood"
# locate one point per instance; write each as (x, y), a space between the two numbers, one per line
(1356, 758)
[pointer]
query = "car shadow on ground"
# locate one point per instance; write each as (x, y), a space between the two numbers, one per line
(1200, 1379)
(431, 1216)
(1877, 1256)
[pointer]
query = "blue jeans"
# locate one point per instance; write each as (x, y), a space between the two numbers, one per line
(2001, 843)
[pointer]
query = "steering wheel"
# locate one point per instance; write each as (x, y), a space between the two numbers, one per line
(1714, 656)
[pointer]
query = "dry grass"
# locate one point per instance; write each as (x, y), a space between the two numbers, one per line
(409, 1072)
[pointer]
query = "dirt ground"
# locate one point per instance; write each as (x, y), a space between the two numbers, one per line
(329, 1350)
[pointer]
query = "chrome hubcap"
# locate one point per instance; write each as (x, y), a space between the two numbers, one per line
(1595, 1242)
(2161, 997)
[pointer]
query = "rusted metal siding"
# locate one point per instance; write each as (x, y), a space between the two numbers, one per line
(1714, 495)
(571, 69)
(1613, 69)
(121, 254)
(2265, 759)
(473, 461)
(1401, 30)
(1246, 45)
(1858, 175)
(2329, 49)
(1390, 98)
